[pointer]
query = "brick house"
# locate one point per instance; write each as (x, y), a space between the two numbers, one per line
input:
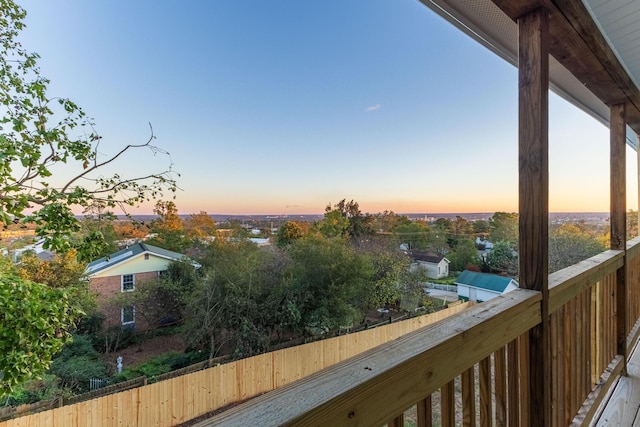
(122, 272)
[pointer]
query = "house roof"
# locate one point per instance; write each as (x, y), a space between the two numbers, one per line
(593, 61)
(425, 256)
(489, 282)
(130, 253)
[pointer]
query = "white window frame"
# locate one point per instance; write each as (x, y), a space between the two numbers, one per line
(133, 315)
(133, 283)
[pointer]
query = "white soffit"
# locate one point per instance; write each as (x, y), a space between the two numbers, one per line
(487, 24)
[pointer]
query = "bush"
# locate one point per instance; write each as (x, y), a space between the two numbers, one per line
(34, 391)
(77, 363)
(161, 365)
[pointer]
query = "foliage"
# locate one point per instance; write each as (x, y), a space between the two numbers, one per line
(346, 220)
(97, 236)
(632, 224)
(570, 244)
(331, 281)
(37, 140)
(240, 300)
(168, 229)
(504, 227)
(159, 365)
(416, 234)
(34, 391)
(502, 259)
(77, 363)
(388, 221)
(62, 272)
(464, 255)
(34, 325)
(480, 227)
(291, 231)
(199, 227)
(164, 300)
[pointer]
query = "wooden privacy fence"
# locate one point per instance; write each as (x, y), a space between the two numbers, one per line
(176, 400)
(474, 368)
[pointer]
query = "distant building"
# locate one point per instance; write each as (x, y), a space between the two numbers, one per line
(436, 266)
(480, 287)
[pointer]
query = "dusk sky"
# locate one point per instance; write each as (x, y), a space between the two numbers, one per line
(282, 107)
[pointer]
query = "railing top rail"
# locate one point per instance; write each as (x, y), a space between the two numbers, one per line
(633, 247)
(566, 284)
(376, 385)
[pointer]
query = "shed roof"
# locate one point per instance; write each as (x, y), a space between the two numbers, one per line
(489, 282)
(426, 256)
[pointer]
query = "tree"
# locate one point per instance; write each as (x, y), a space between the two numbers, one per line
(502, 259)
(164, 300)
(504, 227)
(169, 228)
(64, 271)
(480, 227)
(346, 219)
(464, 255)
(332, 282)
(38, 136)
(34, 325)
(97, 236)
(569, 244)
(415, 234)
(199, 227)
(291, 231)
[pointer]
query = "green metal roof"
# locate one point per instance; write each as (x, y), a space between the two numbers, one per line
(489, 282)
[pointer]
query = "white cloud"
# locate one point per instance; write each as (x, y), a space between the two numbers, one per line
(373, 107)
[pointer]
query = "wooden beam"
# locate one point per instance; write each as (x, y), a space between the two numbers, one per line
(618, 164)
(576, 42)
(533, 112)
(618, 193)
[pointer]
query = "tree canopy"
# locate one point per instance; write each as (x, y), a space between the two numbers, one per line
(39, 135)
(40, 132)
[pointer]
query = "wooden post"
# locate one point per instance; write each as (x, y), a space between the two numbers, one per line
(533, 136)
(618, 194)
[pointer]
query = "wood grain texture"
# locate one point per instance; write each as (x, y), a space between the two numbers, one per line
(533, 156)
(468, 398)
(448, 405)
(424, 412)
(565, 284)
(576, 42)
(373, 387)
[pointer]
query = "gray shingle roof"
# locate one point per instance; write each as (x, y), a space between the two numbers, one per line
(129, 253)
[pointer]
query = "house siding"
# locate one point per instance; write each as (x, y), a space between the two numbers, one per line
(136, 265)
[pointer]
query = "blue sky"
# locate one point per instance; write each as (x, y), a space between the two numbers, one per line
(282, 107)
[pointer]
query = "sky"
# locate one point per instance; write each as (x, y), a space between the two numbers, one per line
(283, 107)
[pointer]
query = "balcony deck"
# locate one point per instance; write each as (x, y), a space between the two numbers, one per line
(622, 408)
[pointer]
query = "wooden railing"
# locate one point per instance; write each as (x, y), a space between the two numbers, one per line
(472, 368)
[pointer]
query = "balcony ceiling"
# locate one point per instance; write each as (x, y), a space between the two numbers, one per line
(595, 47)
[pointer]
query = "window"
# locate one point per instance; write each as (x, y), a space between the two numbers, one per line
(146, 256)
(128, 283)
(128, 315)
